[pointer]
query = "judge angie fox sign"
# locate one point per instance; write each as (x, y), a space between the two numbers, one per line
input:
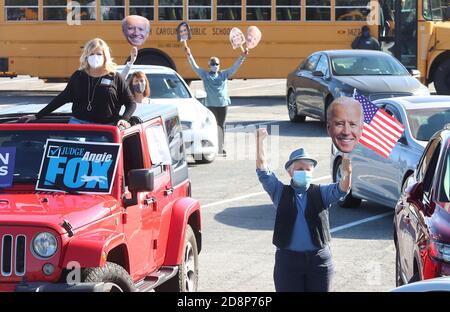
(84, 167)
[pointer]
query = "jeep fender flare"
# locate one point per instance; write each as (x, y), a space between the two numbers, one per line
(182, 210)
(91, 249)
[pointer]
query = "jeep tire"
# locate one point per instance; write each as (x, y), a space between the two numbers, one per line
(186, 279)
(109, 273)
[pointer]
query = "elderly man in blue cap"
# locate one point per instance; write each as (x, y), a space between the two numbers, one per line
(302, 231)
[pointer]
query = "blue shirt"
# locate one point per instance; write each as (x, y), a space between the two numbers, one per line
(216, 84)
(301, 238)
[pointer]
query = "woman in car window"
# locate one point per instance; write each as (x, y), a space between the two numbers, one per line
(140, 87)
(96, 92)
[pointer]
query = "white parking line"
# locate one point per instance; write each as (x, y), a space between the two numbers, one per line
(250, 195)
(352, 224)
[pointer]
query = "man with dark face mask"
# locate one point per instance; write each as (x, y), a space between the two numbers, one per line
(215, 82)
(365, 41)
(303, 260)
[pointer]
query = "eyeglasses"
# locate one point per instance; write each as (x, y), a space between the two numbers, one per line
(215, 64)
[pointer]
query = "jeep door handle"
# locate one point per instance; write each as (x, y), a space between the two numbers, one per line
(151, 201)
(168, 191)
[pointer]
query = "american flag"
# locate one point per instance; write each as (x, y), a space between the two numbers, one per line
(381, 131)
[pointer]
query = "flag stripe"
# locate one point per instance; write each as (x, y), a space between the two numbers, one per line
(381, 131)
(380, 128)
(387, 125)
(394, 122)
(372, 146)
(375, 137)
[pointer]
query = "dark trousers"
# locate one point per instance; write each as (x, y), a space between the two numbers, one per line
(221, 114)
(309, 271)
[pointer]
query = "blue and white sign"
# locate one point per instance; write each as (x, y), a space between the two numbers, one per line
(85, 167)
(7, 161)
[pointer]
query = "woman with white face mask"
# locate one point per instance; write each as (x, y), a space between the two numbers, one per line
(215, 82)
(96, 91)
(303, 261)
(140, 87)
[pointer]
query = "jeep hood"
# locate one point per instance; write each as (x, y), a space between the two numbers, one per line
(50, 210)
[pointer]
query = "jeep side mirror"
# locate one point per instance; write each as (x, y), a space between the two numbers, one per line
(139, 180)
(318, 73)
(414, 194)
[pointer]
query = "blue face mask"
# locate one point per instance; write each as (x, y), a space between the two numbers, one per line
(302, 178)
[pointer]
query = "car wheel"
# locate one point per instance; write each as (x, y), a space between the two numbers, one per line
(205, 158)
(112, 274)
(186, 279)
(398, 276)
(349, 201)
(442, 78)
(292, 109)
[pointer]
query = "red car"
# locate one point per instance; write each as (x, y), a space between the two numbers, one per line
(422, 216)
(96, 208)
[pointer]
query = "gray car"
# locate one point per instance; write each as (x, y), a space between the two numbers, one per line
(327, 75)
(380, 179)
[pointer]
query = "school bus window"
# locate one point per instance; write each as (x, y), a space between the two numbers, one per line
(259, 10)
(229, 10)
(351, 10)
(199, 10)
(21, 10)
(112, 10)
(143, 8)
(288, 10)
(170, 10)
(55, 10)
(434, 10)
(318, 10)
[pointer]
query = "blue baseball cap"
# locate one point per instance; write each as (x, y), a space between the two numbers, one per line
(297, 155)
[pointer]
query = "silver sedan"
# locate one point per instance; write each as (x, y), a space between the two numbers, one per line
(380, 179)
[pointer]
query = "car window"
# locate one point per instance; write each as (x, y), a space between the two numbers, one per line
(322, 65)
(167, 86)
(132, 154)
(158, 146)
(430, 172)
(424, 123)
(444, 193)
(176, 146)
(367, 65)
(311, 62)
(425, 160)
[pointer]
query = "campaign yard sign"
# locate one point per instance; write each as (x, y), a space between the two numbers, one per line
(7, 161)
(85, 167)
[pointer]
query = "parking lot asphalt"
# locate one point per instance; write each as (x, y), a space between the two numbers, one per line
(237, 215)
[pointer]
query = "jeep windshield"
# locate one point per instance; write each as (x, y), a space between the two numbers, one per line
(30, 148)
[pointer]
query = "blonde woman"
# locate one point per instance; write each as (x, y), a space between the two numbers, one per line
(97, 93)
(140, 87)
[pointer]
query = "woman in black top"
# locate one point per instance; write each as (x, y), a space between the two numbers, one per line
(96, 91)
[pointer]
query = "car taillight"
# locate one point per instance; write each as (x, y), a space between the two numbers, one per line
(440, 251)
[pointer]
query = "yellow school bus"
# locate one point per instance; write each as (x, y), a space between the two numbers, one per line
(44, 37)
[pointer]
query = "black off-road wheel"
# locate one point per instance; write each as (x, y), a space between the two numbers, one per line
(110, 273)
(292, 108)
(186, 280)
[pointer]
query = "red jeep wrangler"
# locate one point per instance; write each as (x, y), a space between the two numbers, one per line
(94, 207)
